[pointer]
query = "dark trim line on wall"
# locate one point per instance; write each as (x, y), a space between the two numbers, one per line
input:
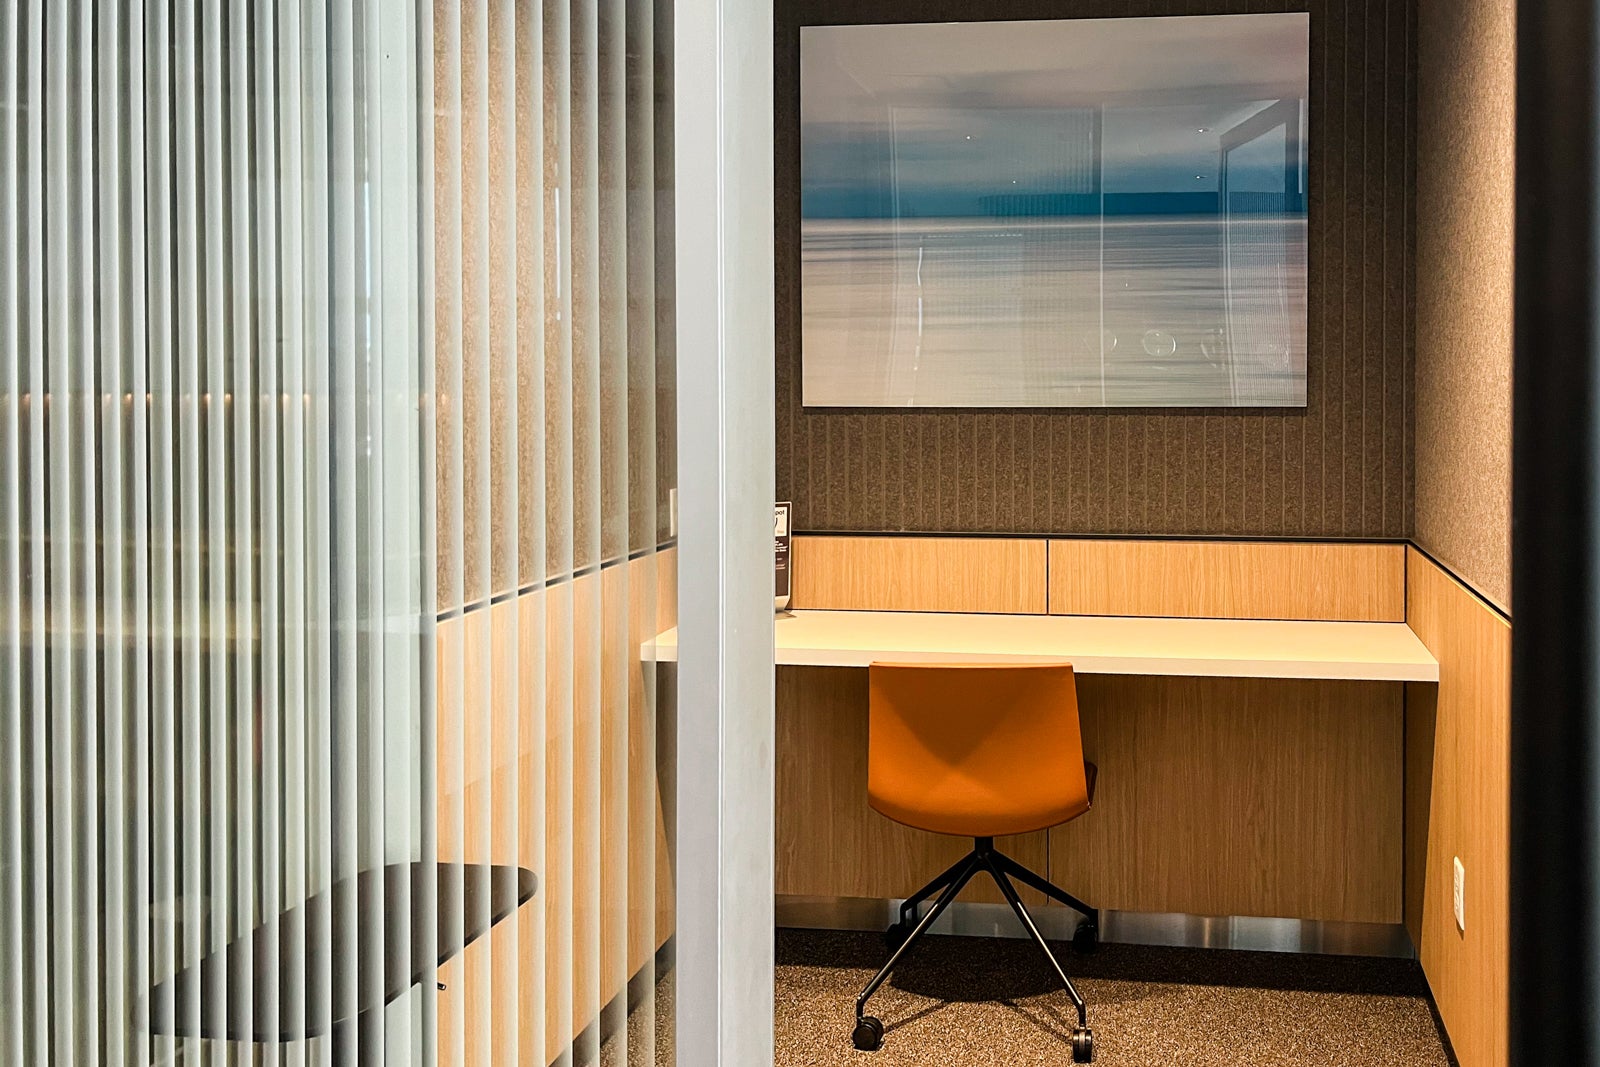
(1463, 582)
(1027, 535)
(554, 580)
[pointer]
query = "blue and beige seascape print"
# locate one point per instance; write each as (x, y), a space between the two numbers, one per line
(1083, 213)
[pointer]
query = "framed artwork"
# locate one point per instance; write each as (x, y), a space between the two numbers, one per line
(1064, 213)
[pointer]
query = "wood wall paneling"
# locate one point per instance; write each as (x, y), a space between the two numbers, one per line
(666, 582)
(548, 757)
(1341, 467)
(631, 597)
(484, 771)
(980, 574)
(1222, 796)
(1215, 797)
(1458, 803)
(1352, 582)
(666, 716)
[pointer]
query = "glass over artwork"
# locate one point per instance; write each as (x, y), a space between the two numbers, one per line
(1071, 213)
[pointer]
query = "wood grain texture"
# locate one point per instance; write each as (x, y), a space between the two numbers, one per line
(666, 734)
(829, 842)
(631, 597)
(1240, 797)
(982, 574)
(666, 572)
(1340, 467)
(1348, 582)
(1458, 804)
(1215, 797)
(549, 757)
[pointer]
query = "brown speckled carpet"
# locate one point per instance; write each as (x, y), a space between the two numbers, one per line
(647, 1038)
(966, 1002)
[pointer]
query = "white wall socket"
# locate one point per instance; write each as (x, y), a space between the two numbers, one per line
(1459, 895)
(672, 512)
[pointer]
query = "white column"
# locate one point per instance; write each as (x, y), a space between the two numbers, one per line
(723, 147)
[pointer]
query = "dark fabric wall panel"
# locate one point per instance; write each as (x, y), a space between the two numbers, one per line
(1342, 467)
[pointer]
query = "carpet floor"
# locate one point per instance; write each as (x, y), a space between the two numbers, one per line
(966, 1002)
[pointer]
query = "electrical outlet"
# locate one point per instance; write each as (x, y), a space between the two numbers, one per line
(1459, 895)
(672, 512)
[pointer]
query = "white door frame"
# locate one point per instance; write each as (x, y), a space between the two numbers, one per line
(723, 147)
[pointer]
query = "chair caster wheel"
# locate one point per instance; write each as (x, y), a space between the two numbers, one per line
(1086, 939)
(1082, 1045)
(868, 1034)
(896, 935)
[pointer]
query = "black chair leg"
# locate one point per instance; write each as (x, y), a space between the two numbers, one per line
(868, 1034)
(1045, 886)
(908, 909)
(1082, 1037)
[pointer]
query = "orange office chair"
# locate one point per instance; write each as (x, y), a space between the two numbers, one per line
(978, 751)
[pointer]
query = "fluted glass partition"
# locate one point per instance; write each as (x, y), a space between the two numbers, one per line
(553, 362)
(335, 431)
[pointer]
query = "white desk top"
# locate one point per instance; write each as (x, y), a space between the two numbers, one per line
(1100, 644)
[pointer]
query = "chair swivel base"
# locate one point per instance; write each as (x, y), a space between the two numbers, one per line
(868, 1033)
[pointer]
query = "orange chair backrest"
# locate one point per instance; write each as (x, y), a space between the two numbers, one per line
(975, 750)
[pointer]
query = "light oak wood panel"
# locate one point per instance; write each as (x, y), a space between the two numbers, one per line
(666, 741)
(616, 798)
(580, 802)
(829, 842)
(1240, 797)
(1458, 795)
(631, 598)
(666, 570)
(1229, 579)
(484, 772)
(560, 875)
(548, 757)
(989, 574)
(1214, 797)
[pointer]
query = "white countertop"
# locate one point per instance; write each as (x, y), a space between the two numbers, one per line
(1099, 644)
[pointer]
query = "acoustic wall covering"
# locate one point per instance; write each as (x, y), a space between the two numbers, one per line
(1340, 468)
(1466, 138)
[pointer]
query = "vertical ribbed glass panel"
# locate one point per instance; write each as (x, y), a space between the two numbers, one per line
(297, 1011)
(217, 604)
(335, 372)
(114, 413)
(161, 333)
(138, 648)
(261, 107)
(550, 580)
(239, 406)
(36, 642)
(531, 707)
(12, 901)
